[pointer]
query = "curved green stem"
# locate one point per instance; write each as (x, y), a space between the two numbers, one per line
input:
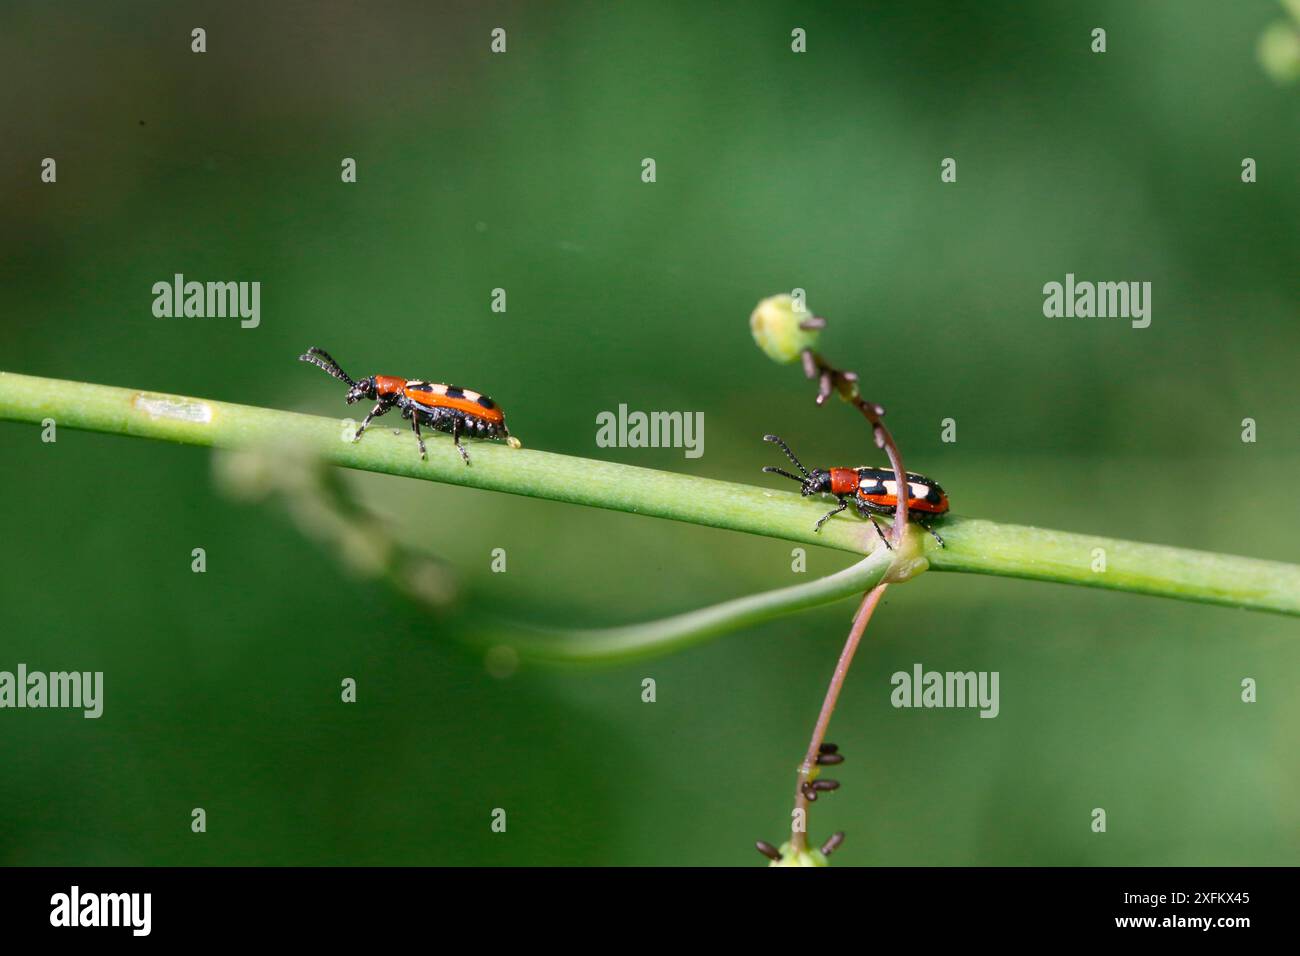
(636, 641)
(972, 545)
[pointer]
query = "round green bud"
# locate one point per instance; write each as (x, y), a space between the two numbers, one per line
(776, 325)
(808, 857)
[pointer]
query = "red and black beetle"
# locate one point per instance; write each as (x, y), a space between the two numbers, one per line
(873, 491)
(447, 408)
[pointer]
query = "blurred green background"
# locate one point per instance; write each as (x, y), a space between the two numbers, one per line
(775, 171)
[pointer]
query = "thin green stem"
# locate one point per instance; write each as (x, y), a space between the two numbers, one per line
(636, 641)
(972, 545)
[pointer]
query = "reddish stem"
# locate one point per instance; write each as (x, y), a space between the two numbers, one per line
(798, 837)
(829, 378)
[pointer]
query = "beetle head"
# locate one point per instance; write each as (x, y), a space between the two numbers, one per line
(364, 389)
(817, 482)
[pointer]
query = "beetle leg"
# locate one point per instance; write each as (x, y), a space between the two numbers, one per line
(379, 409)
(865, 510)
(415, 427)
(933, 532)
(829, 515)
(455, 437)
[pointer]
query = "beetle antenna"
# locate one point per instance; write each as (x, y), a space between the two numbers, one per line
(789, 454)
(322, 360)
(773, 470)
